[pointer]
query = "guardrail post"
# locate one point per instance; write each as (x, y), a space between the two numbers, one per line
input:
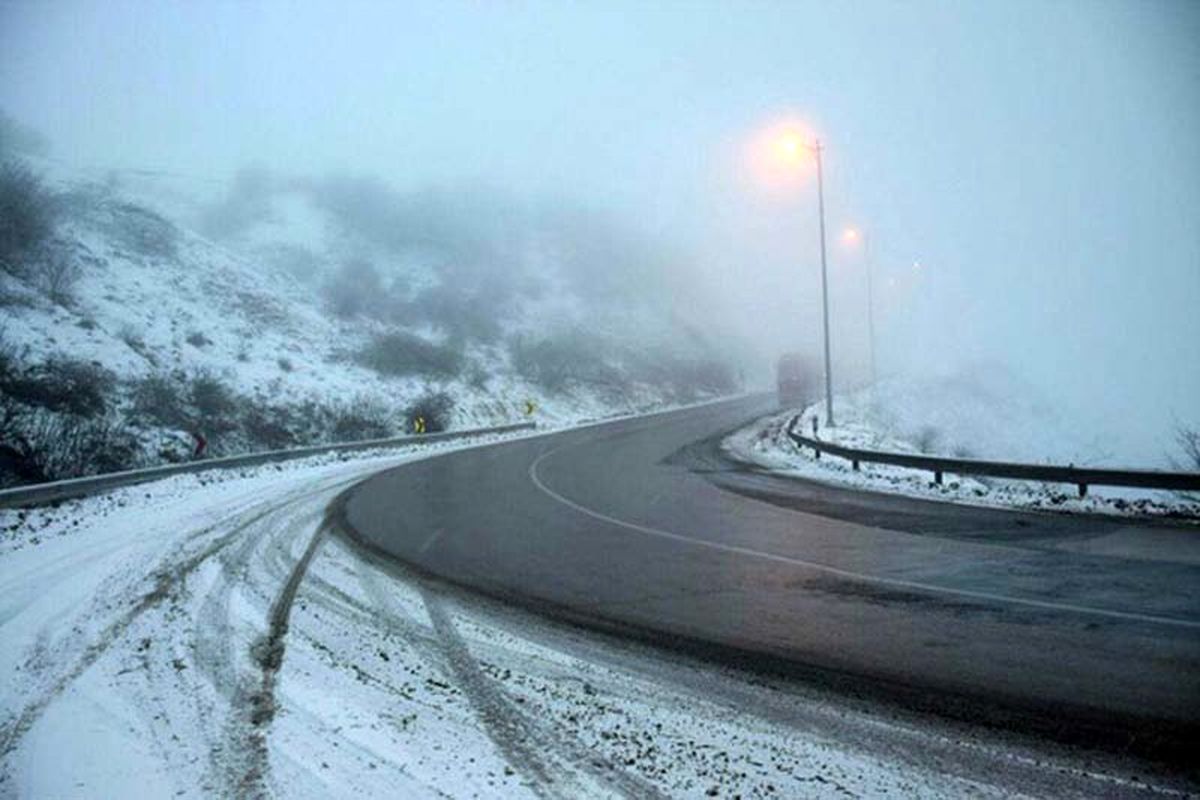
(855, 463)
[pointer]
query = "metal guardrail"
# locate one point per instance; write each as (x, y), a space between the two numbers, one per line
(1082, 477)
(42, 493)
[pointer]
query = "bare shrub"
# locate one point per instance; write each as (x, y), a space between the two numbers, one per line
(361, 419)
(15, 463)
(465, 315)
(399, 354)
(159, 398)
(1188, 440)
(927, 439)
(261, 309)
(356, 289)
(556, 363)
(42, 446)
(202, 401)
(10, 359)
(299, 262)
(143, 231)
(684, 379)
(434, 409)
(57, 277)
(211, 397)
(65, 385)
(247, 203)
(136, 342)
(17, 137)
(267, 428)
(28, 215)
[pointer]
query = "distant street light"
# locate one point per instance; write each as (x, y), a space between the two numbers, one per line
(791, 146)
(853, 236)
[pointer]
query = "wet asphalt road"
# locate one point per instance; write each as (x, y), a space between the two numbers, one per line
(1084, 628)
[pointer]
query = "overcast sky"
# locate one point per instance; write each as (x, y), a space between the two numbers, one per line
(1039, 160)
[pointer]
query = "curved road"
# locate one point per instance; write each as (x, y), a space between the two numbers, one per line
(1087, 629)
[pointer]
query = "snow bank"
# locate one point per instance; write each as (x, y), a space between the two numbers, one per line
(977, 416)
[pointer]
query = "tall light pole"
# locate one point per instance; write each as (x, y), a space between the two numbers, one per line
(816, 149)
(788, 147)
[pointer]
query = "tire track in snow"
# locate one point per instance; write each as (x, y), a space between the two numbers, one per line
(168, 576)
(551, 766)
(252, 706)
(166, 579)
(268, 654)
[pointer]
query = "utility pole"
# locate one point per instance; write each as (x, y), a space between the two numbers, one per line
(824, 287)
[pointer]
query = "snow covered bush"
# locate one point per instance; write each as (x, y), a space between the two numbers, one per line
(555, 363)
(434, 409)
(361, 419)
(57, 277)
(214, 401)
(143, 231)
(28, 215)
(60, 384)
(473, 316)
(400, 354)
(38, 445)
(356, 289)
(267, 428)
(68, 446)
(1188, 440)
(17, 137)
(159, 399)
(684, 379)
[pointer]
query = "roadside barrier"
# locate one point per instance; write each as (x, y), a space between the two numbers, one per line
(1082, 477)
(42, 493)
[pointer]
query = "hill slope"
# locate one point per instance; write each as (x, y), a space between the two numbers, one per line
(314, 310)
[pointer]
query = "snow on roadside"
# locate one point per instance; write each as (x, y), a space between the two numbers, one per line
(766, 445)
(24, 527)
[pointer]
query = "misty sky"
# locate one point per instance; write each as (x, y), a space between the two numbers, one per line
(1039, 160)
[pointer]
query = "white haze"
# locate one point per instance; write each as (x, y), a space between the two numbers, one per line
(1039, 161)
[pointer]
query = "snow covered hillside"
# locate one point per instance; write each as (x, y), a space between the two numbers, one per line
(276, 312)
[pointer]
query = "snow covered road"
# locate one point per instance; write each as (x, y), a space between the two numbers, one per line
(210, 635)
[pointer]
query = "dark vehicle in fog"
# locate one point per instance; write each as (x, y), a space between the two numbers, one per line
(795, 379)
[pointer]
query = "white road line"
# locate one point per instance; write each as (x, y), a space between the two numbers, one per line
(433, 537)
(844, 573)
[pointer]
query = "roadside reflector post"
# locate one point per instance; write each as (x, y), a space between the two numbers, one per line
(1083, 490)
(937, 477)
(855, 463)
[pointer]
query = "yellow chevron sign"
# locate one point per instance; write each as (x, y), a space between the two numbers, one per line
(530, 407)
(418, 425)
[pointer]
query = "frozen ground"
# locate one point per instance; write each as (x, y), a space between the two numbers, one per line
(983, 429)
(206, 635)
